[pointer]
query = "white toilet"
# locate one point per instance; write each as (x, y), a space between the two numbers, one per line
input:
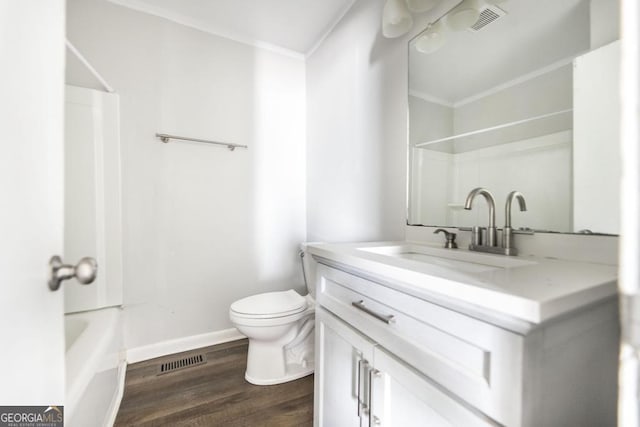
(280, 328)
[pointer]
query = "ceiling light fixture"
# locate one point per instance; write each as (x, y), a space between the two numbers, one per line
(472, 15)
(420, 6)
(396, 19)
(463, 16)
(432, 39)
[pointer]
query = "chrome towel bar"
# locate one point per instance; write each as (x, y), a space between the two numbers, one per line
(165, 138)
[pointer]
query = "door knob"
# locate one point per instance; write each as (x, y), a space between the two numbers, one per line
(85, 271)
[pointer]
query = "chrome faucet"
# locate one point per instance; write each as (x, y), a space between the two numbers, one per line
(489, 245)
(507, 233)
(491, 238)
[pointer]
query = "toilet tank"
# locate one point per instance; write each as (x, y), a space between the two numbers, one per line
(310, 269)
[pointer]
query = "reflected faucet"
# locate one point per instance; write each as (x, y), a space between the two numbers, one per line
(491, 231)
(507, 233)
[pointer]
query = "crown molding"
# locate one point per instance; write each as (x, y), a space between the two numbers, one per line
(430, 98)
(330, 29)
(145, 7)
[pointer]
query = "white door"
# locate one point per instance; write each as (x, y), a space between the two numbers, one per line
(342, 360)
(31, 200)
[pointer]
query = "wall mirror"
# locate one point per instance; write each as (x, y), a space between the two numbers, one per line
(516, 95)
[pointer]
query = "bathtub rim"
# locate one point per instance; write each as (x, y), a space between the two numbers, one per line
(84, 358)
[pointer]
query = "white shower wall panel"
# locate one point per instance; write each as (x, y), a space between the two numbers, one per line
(93, 210)
(530, 165)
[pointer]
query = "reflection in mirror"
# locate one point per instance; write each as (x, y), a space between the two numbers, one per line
(525, 99)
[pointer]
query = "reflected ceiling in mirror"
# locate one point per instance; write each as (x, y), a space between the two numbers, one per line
(494, 106)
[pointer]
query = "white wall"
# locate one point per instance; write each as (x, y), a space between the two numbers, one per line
(356, 131)
(203, 226)
(605, 22)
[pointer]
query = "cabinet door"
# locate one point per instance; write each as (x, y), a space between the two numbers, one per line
(343, 357)
(402, 397)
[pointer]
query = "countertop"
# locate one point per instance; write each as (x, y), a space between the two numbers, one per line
(528, 288)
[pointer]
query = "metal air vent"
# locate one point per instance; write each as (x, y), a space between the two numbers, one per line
(488, 15)
(185, 362)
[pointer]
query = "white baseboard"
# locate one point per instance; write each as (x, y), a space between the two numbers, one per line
(146, 352)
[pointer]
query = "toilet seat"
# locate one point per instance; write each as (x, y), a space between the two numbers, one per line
(269, 305)
(265, 322)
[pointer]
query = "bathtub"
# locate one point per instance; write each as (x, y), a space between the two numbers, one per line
(95, 367)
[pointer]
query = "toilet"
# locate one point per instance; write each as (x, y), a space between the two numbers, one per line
(280, 328)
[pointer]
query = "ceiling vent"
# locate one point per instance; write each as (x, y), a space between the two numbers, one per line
(488, 15)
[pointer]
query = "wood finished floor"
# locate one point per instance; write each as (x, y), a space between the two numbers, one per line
(213, 394)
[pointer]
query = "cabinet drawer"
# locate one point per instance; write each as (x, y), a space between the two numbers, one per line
(479, 362)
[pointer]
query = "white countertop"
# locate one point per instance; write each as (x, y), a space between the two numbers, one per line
(528, 288)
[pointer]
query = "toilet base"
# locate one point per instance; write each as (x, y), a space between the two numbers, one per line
(282, 352)
(294, 372)
(269, 364)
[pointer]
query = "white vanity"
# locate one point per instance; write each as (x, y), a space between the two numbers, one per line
(416, 335)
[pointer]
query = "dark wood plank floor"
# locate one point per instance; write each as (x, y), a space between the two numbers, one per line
(213, 394)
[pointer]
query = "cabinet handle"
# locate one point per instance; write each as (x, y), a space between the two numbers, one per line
(373, 420)
(388, 318)
(361, 404)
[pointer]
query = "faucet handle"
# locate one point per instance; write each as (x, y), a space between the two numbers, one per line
(451, 238)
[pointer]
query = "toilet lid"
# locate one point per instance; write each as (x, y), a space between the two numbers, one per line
(270, 304)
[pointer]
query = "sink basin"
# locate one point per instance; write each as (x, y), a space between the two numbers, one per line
(458, 260)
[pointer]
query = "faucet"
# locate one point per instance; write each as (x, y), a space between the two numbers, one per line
(477, 243)
(507, 233)
(491, 231)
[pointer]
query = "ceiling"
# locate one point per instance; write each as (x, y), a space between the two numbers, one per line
(296, 26)
(533, 35)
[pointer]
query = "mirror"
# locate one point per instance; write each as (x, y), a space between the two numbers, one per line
(521, 100)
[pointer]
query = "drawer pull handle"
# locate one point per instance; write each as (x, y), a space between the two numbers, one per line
(388, 319)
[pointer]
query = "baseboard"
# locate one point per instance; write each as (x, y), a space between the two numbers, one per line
(115, 404)
(146, 352)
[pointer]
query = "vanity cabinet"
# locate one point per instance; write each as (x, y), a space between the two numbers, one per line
(361, 384)
(386, 357)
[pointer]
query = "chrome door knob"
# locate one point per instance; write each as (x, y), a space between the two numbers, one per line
(85, 271)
